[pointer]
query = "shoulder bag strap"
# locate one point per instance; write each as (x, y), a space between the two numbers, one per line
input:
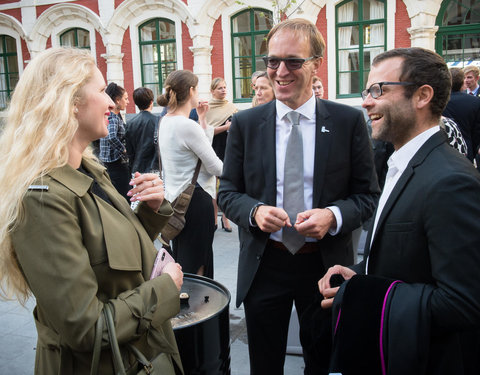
(117, 357)
(97, 346)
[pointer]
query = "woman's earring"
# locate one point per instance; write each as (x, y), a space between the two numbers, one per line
(76, 110)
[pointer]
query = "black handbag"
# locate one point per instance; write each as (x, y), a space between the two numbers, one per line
(161, 364)
(176, 223)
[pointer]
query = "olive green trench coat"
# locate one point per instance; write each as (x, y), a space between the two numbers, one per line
(77, 251)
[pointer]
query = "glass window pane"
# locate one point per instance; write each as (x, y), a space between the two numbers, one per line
(11, 44)
(348, 36)
(3, 100)
(260, 64)
(242, 46)
(150, 74)
(243, 68)
(149, 54)
(13, 80)
(167, 69)
(454, 14)
(261, 45)
(262, 20)
(2, 64)
(167, 30)
(12, 64)
(167, 52)
(148, 32)
(348, 12)
(473, 16)
(156, 90)
(3, 81)
(243, 90)
(241, 23)
(68, 39)
(373, 10)
(83, 37)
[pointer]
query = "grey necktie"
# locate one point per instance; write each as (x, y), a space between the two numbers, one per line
(293, 202)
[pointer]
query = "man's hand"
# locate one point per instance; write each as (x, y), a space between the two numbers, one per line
(325, 288)
(315, 223)
(271, 219)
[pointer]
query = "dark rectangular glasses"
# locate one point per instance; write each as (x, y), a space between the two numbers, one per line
(292, 63)
(376, 89)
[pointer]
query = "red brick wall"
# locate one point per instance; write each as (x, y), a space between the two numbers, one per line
(15, 13)
(128, 70)
(402, 22)
(322, 72)
(100, 49)
(187, 42)
(217, 52)
(26, 54)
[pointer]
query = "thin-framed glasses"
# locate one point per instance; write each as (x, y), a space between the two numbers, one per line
(292, 63)
(376, 89)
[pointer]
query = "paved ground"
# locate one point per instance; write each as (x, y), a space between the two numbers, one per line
(18, 335)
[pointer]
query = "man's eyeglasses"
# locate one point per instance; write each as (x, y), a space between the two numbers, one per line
(376, 89)
(292, 63)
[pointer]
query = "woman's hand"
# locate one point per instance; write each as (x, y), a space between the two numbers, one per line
(147, 187)
(175, 272)
(202, 110)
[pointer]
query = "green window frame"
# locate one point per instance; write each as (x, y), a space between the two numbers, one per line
(361, 34)
(76, 37)
(8, 68)
(458, 36)
(249, 29)
(158, 52)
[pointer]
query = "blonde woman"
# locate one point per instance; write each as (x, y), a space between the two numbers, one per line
(263, 90)
(67, 236)
(219, 116)
(182, 143)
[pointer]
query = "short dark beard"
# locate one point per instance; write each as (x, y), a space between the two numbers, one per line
(398, 126)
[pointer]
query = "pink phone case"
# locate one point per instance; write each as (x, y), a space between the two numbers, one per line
(162, 259)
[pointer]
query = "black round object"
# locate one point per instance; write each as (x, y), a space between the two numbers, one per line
(202, 327)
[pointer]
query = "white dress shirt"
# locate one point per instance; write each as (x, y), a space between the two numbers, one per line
(308, 128)
(397, 163)
(182, 142)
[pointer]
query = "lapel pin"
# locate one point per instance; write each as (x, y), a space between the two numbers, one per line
(325, 130)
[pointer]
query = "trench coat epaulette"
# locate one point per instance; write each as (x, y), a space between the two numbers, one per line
(38, 187)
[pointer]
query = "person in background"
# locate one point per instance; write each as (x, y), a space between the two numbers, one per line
(113, 151)
(219, 117)
(464, 109)
(472, 73)
(263, 90)
(254, 80)
(317, 86)
(66, 236)
(182, 143)
(141, 150)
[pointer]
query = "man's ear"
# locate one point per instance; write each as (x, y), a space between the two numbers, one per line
(423, 96)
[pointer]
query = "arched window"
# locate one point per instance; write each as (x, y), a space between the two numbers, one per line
(249, 30)
(158, 54)
(76, 37)
(360, 36)
(458, 35)
(8, 68)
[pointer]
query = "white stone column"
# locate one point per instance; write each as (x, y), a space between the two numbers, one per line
(202, 67)
(422, 32)
(106, 8)
(114, 67)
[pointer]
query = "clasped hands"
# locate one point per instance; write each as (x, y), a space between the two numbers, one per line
(313, 223)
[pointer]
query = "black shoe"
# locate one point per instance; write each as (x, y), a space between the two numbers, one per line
(224, 228)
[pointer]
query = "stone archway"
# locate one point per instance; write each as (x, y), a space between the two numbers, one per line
(54, 16)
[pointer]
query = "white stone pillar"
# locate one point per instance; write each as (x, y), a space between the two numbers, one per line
(114, 68)
(202, 67)
(422, 32)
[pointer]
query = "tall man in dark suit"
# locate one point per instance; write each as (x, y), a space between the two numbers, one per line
(426, 230)
(464, 109)
(285, 249)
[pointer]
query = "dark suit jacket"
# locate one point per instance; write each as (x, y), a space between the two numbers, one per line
(139, 136)
(344, 176)
(464, 109)
(429, 233)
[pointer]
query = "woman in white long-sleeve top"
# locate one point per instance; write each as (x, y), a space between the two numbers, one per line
(182, 143)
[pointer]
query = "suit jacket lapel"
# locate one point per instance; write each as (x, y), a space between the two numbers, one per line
(268, 151)
(324, 127)
(433, 142)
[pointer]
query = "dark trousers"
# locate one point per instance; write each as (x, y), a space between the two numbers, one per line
(119, 173)
(281, 279)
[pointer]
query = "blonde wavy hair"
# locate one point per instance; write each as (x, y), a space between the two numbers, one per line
(39, 128)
